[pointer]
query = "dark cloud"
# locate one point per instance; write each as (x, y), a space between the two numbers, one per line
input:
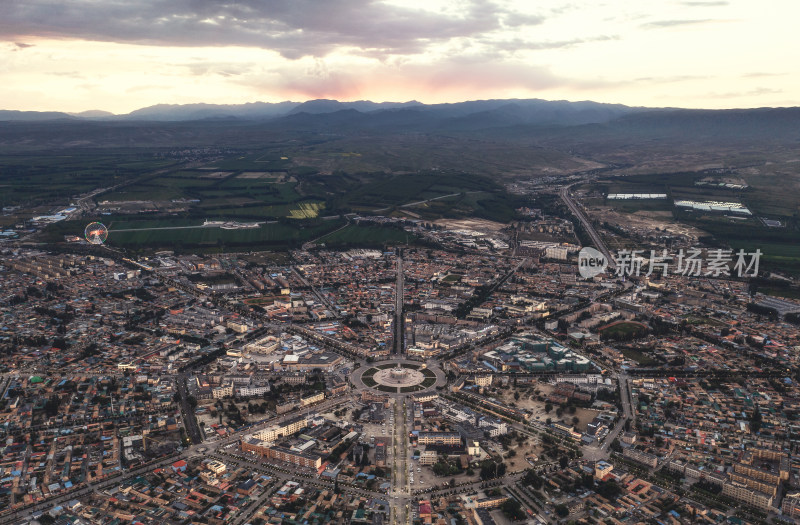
(19, 46)
(672, 23)
(294, 28)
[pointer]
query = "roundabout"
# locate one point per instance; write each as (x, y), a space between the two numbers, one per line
(399, 377)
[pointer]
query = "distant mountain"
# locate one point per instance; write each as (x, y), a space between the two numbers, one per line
(586, 128)
(320, 106)
(32, 116)
(463, 116)
(93, 114)
(475, 114)
(186, 112)
(537, 112)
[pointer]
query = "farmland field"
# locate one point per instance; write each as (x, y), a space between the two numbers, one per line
(767, 196)
(306, 210)
(185, 233)
(358, 235)
(266, 235)
(47, 178)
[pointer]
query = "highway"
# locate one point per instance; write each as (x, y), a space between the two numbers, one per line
(587, 225)
(399, 461)
(189, 419)
(398, 307)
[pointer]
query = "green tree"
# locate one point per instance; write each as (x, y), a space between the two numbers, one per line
(533, 479)
(609, 489)
(755, 421)
(512, 509)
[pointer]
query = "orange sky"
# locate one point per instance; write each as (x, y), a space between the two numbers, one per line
(76, 55)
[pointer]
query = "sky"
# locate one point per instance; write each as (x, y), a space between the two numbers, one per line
(121, 55)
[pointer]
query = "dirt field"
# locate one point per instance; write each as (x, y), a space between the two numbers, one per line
(528, 400)
(279, 176)
(429, 479)
(646, 221)
(216, 175)
(531, 448)
(470, 224)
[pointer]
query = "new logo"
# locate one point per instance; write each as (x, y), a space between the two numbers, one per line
(591, 262)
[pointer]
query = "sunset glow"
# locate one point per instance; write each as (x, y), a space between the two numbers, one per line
(77, 55)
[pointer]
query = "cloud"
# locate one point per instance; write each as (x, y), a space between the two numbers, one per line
(225, 69)
(450, 78)
(671, 79)
(68, 74)
(757, 92)
(673, 23)
(19, 46)
(519, 44)
(761, 74)
(711, 3)
(151, 87)
(293, 28)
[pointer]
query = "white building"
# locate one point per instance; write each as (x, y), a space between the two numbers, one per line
(252, 390)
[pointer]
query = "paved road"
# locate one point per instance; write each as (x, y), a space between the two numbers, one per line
(399, 346)
(587, 225)
(23, 515)
(417, 203)
(189, 419)
(322, 299)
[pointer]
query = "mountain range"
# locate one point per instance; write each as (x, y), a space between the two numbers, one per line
(580, 127)
(504, 112)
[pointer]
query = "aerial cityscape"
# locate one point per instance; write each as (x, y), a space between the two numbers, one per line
(496, 303)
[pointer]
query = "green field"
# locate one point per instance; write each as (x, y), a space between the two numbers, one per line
(278, 235)
(136, 222)
(624, 328)
(306, 210)
(466, 195)
(48, 178)
(266, 235)
(780, 255)
(639, 357)
(359, 235)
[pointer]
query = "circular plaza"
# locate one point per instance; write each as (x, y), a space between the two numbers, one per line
(399, 377)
